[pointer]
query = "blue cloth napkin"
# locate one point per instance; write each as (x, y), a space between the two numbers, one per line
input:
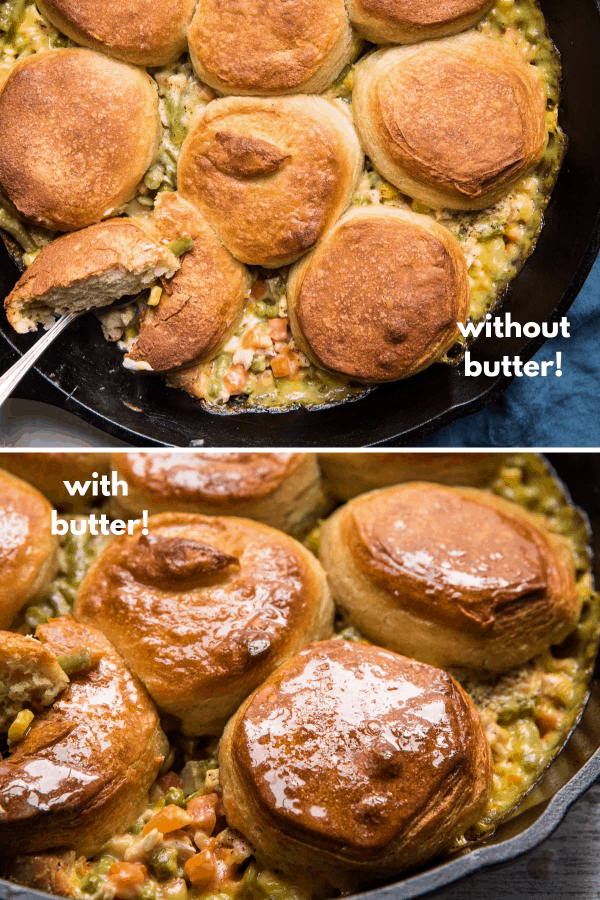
(545, 412)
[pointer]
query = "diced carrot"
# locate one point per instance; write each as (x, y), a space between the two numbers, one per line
(259, 289)
(127, 879)
(201, 869)
(203, 811)
(171, 779)
(235, 380)
(278, 328)
(280, 366)
(167, 819)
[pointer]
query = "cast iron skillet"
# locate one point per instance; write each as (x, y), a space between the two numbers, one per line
(83, 374)
(573, 772)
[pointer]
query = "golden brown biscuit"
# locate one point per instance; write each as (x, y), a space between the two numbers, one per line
(48, 472)
(270, 176)
(202, 305)
(350, 474)
(28, 549)
(453, 123)
(351, 764)
(143, 32)
(418, 291)
(283, 490)
(247, 47)
(77, 132)
(413, 21)
(88, 269)
(203, 609)
(83, 770)
(29, 674)
(450, 576)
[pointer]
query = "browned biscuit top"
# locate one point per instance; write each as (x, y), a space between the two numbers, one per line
(381, 295)
(247, 46)
(200, 604)
(48, 471)
(476, 104)
(457, 556)
(270, 176)
(24, 515)
(422, 12)
(222, 479)
(349, 747)
(76, 749)
(144, 32)
(120, 244)
(202, 303)
(77, 132)
(462, 117)
(26, 541)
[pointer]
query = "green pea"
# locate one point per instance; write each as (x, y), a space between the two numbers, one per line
(214, 389)
(258, 365)
(260, 308)
(250, 875)
(104, 864)
(164, 863)
(181, 246)
(154, 177)
(176, 797)
(36, 615)
(485, 231)
(91, 884)
(57, 42)
(78, 661)
(222, 366)
(12, 15)
(273, 311)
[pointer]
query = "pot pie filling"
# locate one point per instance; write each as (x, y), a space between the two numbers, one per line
(182, 845)
(260, 366)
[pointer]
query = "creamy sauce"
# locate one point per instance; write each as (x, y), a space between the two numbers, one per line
(254, 372)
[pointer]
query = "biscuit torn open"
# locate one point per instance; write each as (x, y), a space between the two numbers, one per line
(88, 269)
(30, 675)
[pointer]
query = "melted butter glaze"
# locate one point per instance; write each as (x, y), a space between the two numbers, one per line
(215, 477)
(80, 748)
(177, 563)
(347, 743)
(457, 556)
(26, 542)
(188, 641)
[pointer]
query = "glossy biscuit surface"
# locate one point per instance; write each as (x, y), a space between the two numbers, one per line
(283, 490)
(203, 609)
(83, 770)
(351, 761)
(28, 549)
(452, 576)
